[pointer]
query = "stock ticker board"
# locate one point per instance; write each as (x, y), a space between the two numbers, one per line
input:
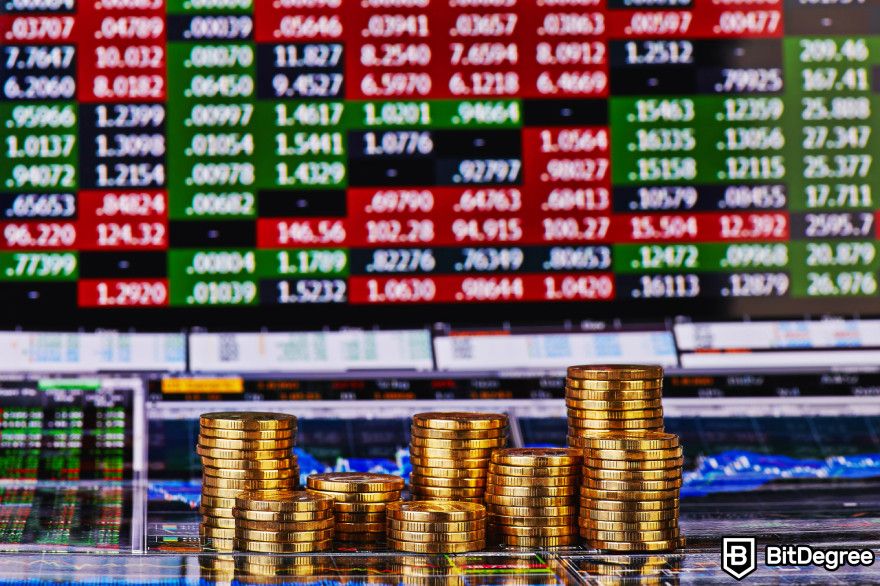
(190, 153)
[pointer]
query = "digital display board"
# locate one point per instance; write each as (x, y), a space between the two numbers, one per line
(192, 153)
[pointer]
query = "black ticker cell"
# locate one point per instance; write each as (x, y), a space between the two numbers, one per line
(390, 171)
(653, 80)
(322, 291)
(477, 143)
(700, 198)
(304, 204)
(703, 285)
(738, 53)
(747, 80)
(121, 265)
(196, 28)
(212, 234)
(565, 112)
(45, 299)
(832, 18)
(31, 6)
(38, 206)
(300, 70)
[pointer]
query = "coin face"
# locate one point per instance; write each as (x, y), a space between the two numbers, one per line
(283, 500)
(434, 511)
(355, 482)
(615, 371)
(460, 420)
(244, 420)
(537, 457)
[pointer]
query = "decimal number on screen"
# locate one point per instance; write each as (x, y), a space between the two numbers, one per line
(312, 291)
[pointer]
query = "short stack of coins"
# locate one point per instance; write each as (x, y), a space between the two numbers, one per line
(613, 398)
(629, 499)
(283, 521)
(436, 526)
(532, 496)
(361, 499)
(239, 452)
(449, 453)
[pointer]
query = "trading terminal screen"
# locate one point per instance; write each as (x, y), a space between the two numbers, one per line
(331, 154)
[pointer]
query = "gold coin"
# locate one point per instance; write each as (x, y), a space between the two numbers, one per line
(602, 484)
(286, 536)
(245, 445)
(548, 541)
(644, 386)
(636, 454)
(437, 537)
(360, 527)
(635, 404)
(244, 474)
(355, 482)
(604, 414)
(632, 526)
(632, 475)
(447, 482)
(283, 517)
(360, 497)
(458, 420)
(226, 493)
(557, 521)
(221, 532)
(529, 501)
(456, 444)
(433, 511)
(281, 526)
(629, 495)
(462, 464)
(618, 505)
(222, 522)
(615, 371)
(549, 531)
(534, 471)
(222, 512)
(500, 480)
(282, 547)
(360, 517)
(239, 464)
(635, 465)
(584, 427)
(218, 502)
(248, 421)
(220, 453)
(360, 507)
(431, 491)
(450, 454)
(218, 543)
(245, 435)
(590, 515)
(666, 545)
(529, 511)
(457, 434)
(284, 501)
(441, 527)
(537, 457)
(555, 491)
(645, 440)
(418, 547)
(215, 482)
(451, 473)
(662, 535)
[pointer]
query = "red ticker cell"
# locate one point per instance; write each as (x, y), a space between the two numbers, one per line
(123, 204)
(122, 292)
(95, 234)
(475, 289)
(297, 20)
(38, 235)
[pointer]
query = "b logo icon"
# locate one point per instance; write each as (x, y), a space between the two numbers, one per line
(739, 556)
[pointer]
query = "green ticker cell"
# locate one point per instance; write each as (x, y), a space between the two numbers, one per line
(39, 266)
(85, 384)
(214, 292)
(705, 257)
(433, 114)
(209, 6)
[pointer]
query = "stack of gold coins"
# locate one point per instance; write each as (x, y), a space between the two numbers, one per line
(629, 499)
(613, 398)
(532, 496)
(283, 521)
(241, 451)
(361, 499)
(436, 526)
(450, 453)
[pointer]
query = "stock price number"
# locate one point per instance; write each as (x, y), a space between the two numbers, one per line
(312, 291)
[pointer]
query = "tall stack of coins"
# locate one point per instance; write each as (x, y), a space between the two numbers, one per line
(532, 496)
(629, 500)
(241, 451)
(361, 499)
(450, 453)
(283, 521)
(436, 526)
(613, 398)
